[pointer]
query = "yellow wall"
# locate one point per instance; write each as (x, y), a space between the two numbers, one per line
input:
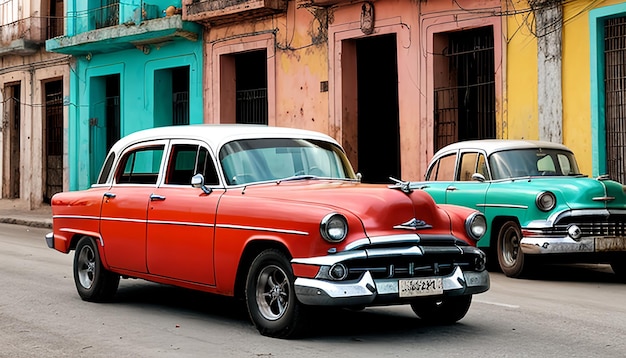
(521, 112)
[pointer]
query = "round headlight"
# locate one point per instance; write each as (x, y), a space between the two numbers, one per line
(476, 225)
(545, 201)
(338, 271)
(334, 227)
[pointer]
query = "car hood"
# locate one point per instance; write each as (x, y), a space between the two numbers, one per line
(583, 193)
(379, 207)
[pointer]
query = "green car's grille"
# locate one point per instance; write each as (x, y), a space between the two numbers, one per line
(594, 226)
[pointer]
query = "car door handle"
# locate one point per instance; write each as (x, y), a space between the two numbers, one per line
(154, 197)
(451, 188)
(109, 195)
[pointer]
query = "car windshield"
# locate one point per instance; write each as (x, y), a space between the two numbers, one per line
(255, 160)
(532, 162)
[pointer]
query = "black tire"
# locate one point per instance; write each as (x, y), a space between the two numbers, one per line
(270, 296)
(509, 251)
(93, 282)
(442, 310)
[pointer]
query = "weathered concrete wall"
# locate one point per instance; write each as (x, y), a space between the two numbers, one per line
(31, 72)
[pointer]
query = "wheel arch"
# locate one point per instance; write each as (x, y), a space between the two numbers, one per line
(250, 252)
(75, 238)
(496, 224)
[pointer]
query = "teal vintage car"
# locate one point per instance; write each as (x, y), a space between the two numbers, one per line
(535, 200)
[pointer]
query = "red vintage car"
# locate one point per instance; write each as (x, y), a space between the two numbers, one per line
(276, 216)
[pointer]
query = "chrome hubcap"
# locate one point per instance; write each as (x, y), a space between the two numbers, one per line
(272, 292)
(510, 247)
(86, 266)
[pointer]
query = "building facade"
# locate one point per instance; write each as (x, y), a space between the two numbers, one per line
(391, 80)
(566, 79)
(136, 65)
(33, 90)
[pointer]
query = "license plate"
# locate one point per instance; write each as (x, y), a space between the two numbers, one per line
(420, 287)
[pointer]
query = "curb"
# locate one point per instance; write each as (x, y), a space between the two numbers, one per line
(31, 223)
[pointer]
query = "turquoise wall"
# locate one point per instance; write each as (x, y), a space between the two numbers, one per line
(143, 99)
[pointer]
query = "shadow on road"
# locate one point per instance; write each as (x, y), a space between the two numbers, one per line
(571, 273)
(322, 323)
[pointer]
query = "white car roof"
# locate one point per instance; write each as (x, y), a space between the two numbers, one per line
(217, 134)
(490, 146)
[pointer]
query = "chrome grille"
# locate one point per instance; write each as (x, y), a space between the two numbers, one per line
(432, 262)
(594, 226)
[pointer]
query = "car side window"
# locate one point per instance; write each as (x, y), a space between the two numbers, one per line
(468, 166)
(140, 166)
(106, 169)
(187, 160)
(444, 169)
(481, 167)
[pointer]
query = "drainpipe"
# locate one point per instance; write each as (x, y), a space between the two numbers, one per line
(549, 25)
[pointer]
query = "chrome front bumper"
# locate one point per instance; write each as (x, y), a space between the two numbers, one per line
(561, 245)
(367, 290)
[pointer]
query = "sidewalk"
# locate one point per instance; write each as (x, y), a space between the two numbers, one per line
(15, 212)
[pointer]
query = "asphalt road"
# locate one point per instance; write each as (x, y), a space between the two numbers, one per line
(561, 311)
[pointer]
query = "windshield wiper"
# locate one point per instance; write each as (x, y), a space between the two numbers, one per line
(298, 177)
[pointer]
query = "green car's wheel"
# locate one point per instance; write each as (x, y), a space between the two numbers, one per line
(510, 255)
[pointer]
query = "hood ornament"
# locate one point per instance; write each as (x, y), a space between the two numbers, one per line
(413, 224)
(404, 186)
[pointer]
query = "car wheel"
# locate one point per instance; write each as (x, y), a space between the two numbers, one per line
(93, 282)
(270, 296)
(510, 255)
(442, 310)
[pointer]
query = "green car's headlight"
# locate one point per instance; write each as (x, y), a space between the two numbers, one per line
(334, 227)
(545, 201)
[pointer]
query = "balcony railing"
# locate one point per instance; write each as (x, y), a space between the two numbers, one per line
(107, 16)
(217, 12)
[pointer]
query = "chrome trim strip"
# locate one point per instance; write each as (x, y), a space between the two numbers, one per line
(124, 220)
(603, 198)
(75, 217)
(184, 223)
(358, 243)
(256, 228)
(331, 259)
(503, 206)
(382, 240)
(403, 238)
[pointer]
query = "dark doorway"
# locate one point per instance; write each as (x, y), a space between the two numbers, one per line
(54, 23)
(464, 95)
(378, 116)
(53, 134)
(251, 87)
(11, 140)
(171, 83)
(104, 119)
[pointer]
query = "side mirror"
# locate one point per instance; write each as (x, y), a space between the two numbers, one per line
(197, 181)
(478, 177)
